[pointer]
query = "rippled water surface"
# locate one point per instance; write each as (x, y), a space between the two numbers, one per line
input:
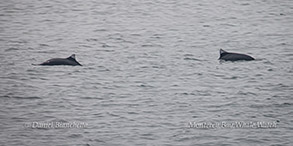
(150, 74)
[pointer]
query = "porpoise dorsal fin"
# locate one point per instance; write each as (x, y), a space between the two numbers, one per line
(72, 57)
(222, 51)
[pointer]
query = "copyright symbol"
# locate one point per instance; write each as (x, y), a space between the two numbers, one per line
(27, 125)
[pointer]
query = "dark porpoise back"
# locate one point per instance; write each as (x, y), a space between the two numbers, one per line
(227, 56)
(62, 61)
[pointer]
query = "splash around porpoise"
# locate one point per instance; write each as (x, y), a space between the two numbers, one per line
(229, 56)
(61, 61)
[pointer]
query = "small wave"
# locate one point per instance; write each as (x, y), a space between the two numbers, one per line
(97, 140)
(44, 45)
(75, 136)
(145, 86)
(104, 50)
(147, 45)
(246, 93)
(91, 40)
(22, 97)
(285, 104)
(11, 49)
(194, 59)
(188, 55)
(184, 93)
(88, 97)
(99, 30)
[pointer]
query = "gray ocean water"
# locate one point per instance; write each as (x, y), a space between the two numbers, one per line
(150, 74)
